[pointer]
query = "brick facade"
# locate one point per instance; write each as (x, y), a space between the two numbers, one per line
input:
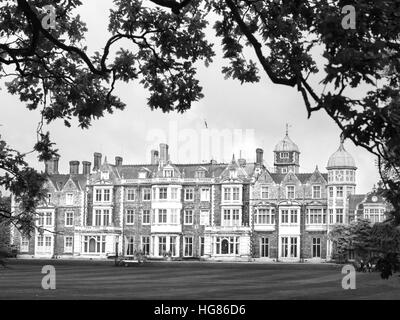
(248, 212)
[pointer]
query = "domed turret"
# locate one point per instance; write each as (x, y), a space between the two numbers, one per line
(341, 183)
(286, 145)
(286, 155)
(341, 159)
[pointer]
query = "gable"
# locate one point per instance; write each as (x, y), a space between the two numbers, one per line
(291, 178)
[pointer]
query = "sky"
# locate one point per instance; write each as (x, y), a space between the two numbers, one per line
(230, 119)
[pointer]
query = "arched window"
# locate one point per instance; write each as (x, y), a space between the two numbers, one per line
(92, 245)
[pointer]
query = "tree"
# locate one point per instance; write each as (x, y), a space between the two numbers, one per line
(354, 236)
(5, 202)
(50, 69)
(381, 240)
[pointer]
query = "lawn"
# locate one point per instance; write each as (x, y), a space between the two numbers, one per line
(190, 280)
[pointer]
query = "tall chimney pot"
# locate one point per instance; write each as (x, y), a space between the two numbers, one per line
(118, 161)
(96, 161)
(164, 157)
(86, 167)
(154, 157)
(51, 166)
(259, 156)
(74, 167)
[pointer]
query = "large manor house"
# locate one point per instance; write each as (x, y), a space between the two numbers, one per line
(219, 211)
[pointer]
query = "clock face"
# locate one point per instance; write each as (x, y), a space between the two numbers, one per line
(374, 199)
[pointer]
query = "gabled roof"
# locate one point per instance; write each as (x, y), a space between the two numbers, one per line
(189, 170)
(59, 180)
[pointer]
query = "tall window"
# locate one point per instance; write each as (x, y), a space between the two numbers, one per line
(227, 194)
(231, 217)
(146, 245)
(130, 216)
(106, 195)
(98, 195)
(231, 193)
(316, 192)
(290, 194)
(146, 194)
(293, 216)
(174, 193)
(102, 217)
(106, 217)
(265, 216)
(49, 219)
(98, 217)
(188, 243)
(68, 244)
(69, 199)
(331, 216)
(189, 194)
(146, 216)
(162, 245)
(45, 219)
(162, 215)
(130, 246)
(131, 194)
(264, 247)
(204, 217)
(264, 192)
(201, 241)
(163, 194)
(315, 216)
(285, 216)
(330, 192)
(339, 192)
(316, 247)
(69, 219)
(102, 195)
(339, 216)
(40, 241)
(188, 218)
(289, 247)
(24, 244)
(172, 245)
(174, 216)
(47, 241)
(293, 247)
(235, 194)
(205, 194)
(285, 247)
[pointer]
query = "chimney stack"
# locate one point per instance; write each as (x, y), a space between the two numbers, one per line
(51, 166)
(86, 167)
(96, 161)
(154, 157)
(259, 156)
(74, 167)
(164, 157)
(118, 161)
